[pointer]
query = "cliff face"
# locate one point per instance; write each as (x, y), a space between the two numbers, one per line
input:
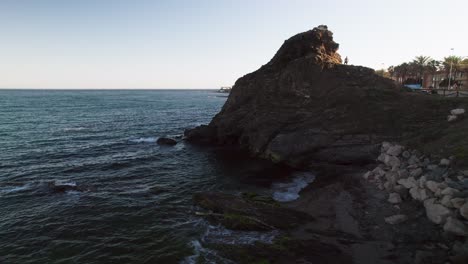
(305, 106)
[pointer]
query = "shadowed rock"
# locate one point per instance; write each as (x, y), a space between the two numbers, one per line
(248, 212)
(166, 141)
(304, 107)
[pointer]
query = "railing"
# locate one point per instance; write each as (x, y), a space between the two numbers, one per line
(447, 93)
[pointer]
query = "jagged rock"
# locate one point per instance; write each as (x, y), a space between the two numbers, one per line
(395, 150)
(444, 162)
(385, 146)
(433, 186)
(403, 173)
(248, 212)
(368, 175)
(389, 186)
(449, 191)
(455, 227)
(422, 182)
(408, 183)
(413, 160)
(437, 213)
(394, 198)
(406, 154)
(432, 167)
(446, 201)
(451, 118)
(396, 219)
(419, 194)
(457, 202)
(166, 141)
(416, 173)
(379, 172)
(392, 161)
(464, 210)
(458, 111)
(304, 108)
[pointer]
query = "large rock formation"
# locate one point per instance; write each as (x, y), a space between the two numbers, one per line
(305, 107)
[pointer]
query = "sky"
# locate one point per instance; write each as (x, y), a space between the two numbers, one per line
(206, 43)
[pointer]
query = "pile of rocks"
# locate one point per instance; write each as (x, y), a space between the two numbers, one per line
(409, 175)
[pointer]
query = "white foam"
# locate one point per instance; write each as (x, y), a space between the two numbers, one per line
(13, 189)
(64, 182)
(286, 192)
(144, 140)
(72, 129)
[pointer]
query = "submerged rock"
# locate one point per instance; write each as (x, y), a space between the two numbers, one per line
(166, 141)
(248, 212)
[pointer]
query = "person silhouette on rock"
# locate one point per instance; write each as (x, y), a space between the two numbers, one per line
(346, 60)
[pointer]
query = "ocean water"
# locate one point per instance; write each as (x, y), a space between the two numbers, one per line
(133, 203)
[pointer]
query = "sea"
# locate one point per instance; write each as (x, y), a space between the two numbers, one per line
(82, 179)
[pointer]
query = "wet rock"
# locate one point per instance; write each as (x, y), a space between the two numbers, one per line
(437, 213)
(166, 141)
(396, 219)
(433, 186)
(394, 198)
(62, 188)
(248, 212)
(456, 227)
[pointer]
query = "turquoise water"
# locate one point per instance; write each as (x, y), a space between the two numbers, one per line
(134, 199)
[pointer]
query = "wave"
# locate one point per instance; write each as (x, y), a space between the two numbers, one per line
(143, 140)
(221, 235)
(286, 192)
(73, 129)
(14, 188)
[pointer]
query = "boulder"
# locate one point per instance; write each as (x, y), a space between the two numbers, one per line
(451, 118)
(415, 193)
(456, 227)
(408, 183)
(444, 162)
(385, 146)
(422, 182)
(457, 202)
(406, 154)
(433, 186)
(437, 213)
(449, 191)
(413, 160)
(458, 111)
(395, 150)
(447, 201)
(396, 219)
(392, 161)
(416, 173)
(394, 198)
(379, 172)
(368, 175)
(166, 141)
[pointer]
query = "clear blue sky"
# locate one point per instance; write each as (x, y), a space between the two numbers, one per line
(206, 43)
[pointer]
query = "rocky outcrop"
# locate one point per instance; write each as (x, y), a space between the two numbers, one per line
(304, 107)
(166, 141)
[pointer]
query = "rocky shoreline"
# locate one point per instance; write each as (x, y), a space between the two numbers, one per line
(371, 202)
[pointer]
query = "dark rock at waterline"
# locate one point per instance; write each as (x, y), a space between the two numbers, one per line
(248, 212)
(166, 141)
(304, 106)
(62, 188)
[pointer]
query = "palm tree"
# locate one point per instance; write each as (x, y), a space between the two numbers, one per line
(420, 64)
